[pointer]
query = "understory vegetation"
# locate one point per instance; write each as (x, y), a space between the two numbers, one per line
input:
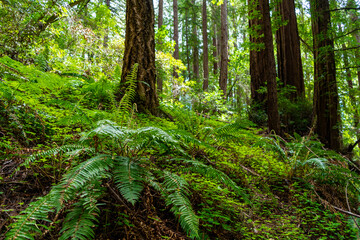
(76, 164)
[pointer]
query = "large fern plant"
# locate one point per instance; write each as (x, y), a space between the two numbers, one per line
(119, 154)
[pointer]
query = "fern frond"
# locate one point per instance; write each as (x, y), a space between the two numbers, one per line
(177, 189)
(320, 163)
(126, 101)
(25, 226)
(154, 137)
(106, 129)
(96, 167)
(129, 178)
(71, 149)
(79, 222)
(210, 172)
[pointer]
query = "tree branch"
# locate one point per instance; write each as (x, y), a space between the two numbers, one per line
(307, 45)
(345, 49)
(344, 68)
(343, 9)
(351, 32)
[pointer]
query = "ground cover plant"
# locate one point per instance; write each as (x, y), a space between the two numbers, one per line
(191, 175)
(179, 119)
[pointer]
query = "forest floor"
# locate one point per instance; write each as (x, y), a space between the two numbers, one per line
(243, 184)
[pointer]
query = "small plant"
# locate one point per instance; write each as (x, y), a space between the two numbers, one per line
(118, 154)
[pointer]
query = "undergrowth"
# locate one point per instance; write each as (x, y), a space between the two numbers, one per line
(194, 175)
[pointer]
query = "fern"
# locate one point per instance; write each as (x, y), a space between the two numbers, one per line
(126, 101)
(26, 226)
(70, 149)
(81, 219)
(129, 176)
(177, 189)
(320, 163)
(82, 183)
(210, 172)
(84, 173)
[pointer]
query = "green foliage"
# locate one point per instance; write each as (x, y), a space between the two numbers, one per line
(295, 115)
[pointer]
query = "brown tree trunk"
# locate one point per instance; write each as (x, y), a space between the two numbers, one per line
(262, 63)
(224, 49)
(326, 101)
(349, 82)
(288, 50)
(205, 47)
(140, 48)
(161, 13)
(195, 43)
(160, 23)
(215, 40)
(176, 31)
(106, 37)
(176, 52)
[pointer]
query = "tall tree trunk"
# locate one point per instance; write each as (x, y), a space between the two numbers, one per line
(161, 13)
(106, 37)
(214, 40)
(262, 62)
(187, 42)
(160, 23)
(140, 48)
(215, 56)
(196, 67)
(205, 47)
(326, 101)
(176, 31)
(224, 49)
(349, 81)
(176, 52)
(288, 50)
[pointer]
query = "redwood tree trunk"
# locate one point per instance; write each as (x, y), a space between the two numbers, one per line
(224, 49)
(262, 63)
(140, 48)
(176, 30)
(288, 50)
(326, 101)
(214, 41)
(160, 23)
(205, 47)
(106, 37)
(161, 13)
(196, 68)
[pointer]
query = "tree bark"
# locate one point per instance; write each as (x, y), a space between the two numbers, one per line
(326, 101)
(176, 31)
(106, 36)
(224, 49)
(288, 50)
(214, 40)
(205, 47)
(140, 48)
(196, 68)
(160, 23)
(262, 63)
(161, 13)
(349, 81)
(176, 52)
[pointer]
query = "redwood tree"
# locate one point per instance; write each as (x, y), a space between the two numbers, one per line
(262, 63)
(290, 69)
(140, 48)
(205, 47)
(160, 23)
(224, 58)
(326, 100)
